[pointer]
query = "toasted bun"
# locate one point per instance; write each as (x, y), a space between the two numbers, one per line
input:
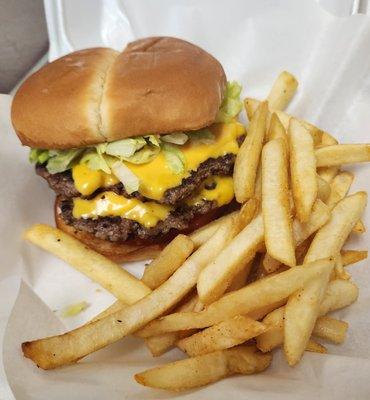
(118, 252)
(156, 85)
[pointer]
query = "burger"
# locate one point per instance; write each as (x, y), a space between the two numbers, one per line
(137, 145)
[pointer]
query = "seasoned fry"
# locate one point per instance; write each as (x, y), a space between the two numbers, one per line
(302, 308)
(340, 186)
(215, 278)
(331, 237)
(204, 369)
(170, 258)
(339, 294)
(328, 173)
(243, 301)
(276, 129)
(340, 154)
(302, 169)
(353, 256)
(328, 140)
(99, 269)
(323, 189)
(282, 91)
(359, 227)
(240, 279)
(158, 345)
(331, 329)
(223, 335)
(201, 235)
(316, 347)
(248, 157)
(275, 203)
(64, 349)
(319, 216)
(251, 106)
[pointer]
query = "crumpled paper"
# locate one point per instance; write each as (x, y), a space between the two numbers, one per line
(254, 41)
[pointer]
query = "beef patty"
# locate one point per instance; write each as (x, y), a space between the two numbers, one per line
(117, 229)
(62, 183)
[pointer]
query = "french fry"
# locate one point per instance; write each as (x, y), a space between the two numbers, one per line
(170, 258)
(275, 203)
(158, 345)
(240, 279)
(316, 347)
(339, 294)
(282, 91)
(328, 140)
(63, 349)
(99, 269)
(251, 106)
(276, 129)
(223, 335)
(302, 308)
(340, 186)
(339, 268)
(331, 329)
(302, 169)
(330, 238)
(319, 216)
(215, 278)
(339, 154)
(359, 227)
(353, 256)
(243, 301)
(328, 173)
(248, 157)
(201, 235)
(204, 369)
(323, 189)
(258, 184)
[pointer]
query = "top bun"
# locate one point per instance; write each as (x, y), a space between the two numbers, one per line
(156, 85)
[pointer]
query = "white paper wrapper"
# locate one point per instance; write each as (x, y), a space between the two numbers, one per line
(254, 41)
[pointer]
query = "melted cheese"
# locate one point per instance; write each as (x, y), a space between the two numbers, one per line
(156, 177)
(86, 180)
(148, 214)
(216, 188)
(110, 204)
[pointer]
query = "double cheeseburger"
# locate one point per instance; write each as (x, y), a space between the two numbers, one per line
(138, 146)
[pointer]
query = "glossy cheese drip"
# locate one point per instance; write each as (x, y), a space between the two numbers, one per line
(86, 180)
(110, 204)
(148, 214)
(216, 188)
(156, 177)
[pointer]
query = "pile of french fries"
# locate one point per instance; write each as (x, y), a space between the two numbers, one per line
(264, 277)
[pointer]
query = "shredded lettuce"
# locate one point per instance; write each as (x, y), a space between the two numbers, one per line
(203, 136)
(231, 104)
(95, 161)
(153, 139)
(125, 147)
(174, 157)
(129, 180)
(176, 138)
(145, 155)
(63, 160)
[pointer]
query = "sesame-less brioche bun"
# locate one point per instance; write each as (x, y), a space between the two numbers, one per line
(156, 85)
